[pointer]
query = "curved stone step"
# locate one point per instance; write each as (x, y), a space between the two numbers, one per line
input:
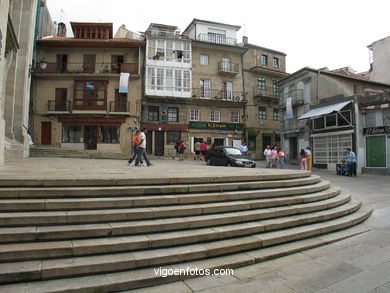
(63, 268)
(139, 189)
(61, 204)
(117, 215)
(46, 250)
(39, 233)
(279, 175)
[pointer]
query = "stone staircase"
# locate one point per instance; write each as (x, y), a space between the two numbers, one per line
(40, 151)
(110, 235)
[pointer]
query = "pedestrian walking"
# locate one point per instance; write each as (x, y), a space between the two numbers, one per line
(274, 157)
(267, 155)
(303, 160)
(308, 158)
(142, 149)
(282, 158)
(351, 161)
(135, 142)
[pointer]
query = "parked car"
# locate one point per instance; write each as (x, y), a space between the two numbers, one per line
(228, 156)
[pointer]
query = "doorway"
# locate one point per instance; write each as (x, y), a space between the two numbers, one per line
(219, 142)
(293, 146)
(90, 137)
(46, 133)
(62, 61)
(159, 143)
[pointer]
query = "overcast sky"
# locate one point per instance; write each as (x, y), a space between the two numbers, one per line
(327, 33)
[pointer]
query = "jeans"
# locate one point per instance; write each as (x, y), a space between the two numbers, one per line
(134, 156)
(281, 163)
(142, 154)
(268, 162)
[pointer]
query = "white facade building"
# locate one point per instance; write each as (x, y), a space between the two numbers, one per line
(380, 60)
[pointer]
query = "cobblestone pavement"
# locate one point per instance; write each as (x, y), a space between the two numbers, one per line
(357, 264)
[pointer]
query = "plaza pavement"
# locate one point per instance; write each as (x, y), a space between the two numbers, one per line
(357, 264)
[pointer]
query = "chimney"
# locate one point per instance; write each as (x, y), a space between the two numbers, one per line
(245, 40)
(61, 32)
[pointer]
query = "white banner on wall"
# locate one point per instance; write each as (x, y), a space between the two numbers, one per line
(289, 109)
(124, 83)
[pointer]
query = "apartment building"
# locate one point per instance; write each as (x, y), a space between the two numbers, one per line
(262, 69)
(193, 86)
(319, 108)
(78, 101)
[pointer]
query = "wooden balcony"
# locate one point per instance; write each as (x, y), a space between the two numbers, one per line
(89, 68)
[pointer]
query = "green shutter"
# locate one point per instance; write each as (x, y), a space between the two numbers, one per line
(376, 151)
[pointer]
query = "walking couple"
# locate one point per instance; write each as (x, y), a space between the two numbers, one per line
(139, 148)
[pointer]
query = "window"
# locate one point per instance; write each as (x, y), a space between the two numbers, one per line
(173, 114)
(264, 59)
(151, 78)
(276, 114)
(275, 62)
(344, 118)
(72, 134)
(227, 90)
(90, 95)
(215, 115)
(319, 123)
(154, 113)
(386, 117)
(261, 85)
(169, 79)
(108, 134)
(235, 117)
(170, 50)
(204, 59)
(120, 104)
(160, 78)
(331, 120)
(160, 52)
(173, 136)
(186, 81)
(371, 118)
(262, 113)
(178, 80)
(275, 89)
(194, 114)
(205, 88)
(331, 149)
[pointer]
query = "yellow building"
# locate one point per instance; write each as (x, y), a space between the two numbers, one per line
(77, 100)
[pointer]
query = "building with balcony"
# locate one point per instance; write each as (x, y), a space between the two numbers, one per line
(318, 108)
(17, 29)
(217, 109)
(262, 69)
(77, 99)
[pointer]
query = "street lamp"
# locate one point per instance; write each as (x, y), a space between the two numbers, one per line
(43, 64)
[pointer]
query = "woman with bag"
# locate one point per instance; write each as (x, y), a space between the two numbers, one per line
(182, 148)
(135, 141)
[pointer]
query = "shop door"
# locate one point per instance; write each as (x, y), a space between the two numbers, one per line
(376, 151)
(90, 137)
(219, 142)
(46, 133)
(293, 148)
(159, 143)
(149, 141)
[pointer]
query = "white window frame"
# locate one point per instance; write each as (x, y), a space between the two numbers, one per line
(204, 59)
(330, 149)
(215, 115)
(275, 62)
(235, 116)
(194, 115)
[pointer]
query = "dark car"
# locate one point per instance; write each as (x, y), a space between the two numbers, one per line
(228, 156)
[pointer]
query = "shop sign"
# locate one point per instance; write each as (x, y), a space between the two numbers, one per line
(133, 128)
(216, 125)
(385, 130)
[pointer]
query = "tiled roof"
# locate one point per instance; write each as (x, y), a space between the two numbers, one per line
(113, 40)
(348, 73)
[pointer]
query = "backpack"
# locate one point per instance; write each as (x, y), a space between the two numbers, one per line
(136, 140)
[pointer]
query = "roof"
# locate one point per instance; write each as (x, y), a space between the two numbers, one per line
(73, 42)
(91, 23)
(324, 110)
(264, 48)
(345, 72)
(293, 75)
(172, 27)
(237, 27)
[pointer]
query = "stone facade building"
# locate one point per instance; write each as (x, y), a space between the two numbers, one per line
(77, 99)
(262, 69)
(17, 28)
(323, 114)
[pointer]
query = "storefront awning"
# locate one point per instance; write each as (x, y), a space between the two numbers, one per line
(324, 110)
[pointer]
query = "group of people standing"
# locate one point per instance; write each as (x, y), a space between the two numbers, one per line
(201, 147)
(139, 149)
(306, 159)
(273, 155)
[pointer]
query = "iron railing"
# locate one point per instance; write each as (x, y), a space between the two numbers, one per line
(118, 106)
(228, 67)
(296, 95)
(216, 39)
(205, 93)
(268, 92)
(96, 68)
(59, 106)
